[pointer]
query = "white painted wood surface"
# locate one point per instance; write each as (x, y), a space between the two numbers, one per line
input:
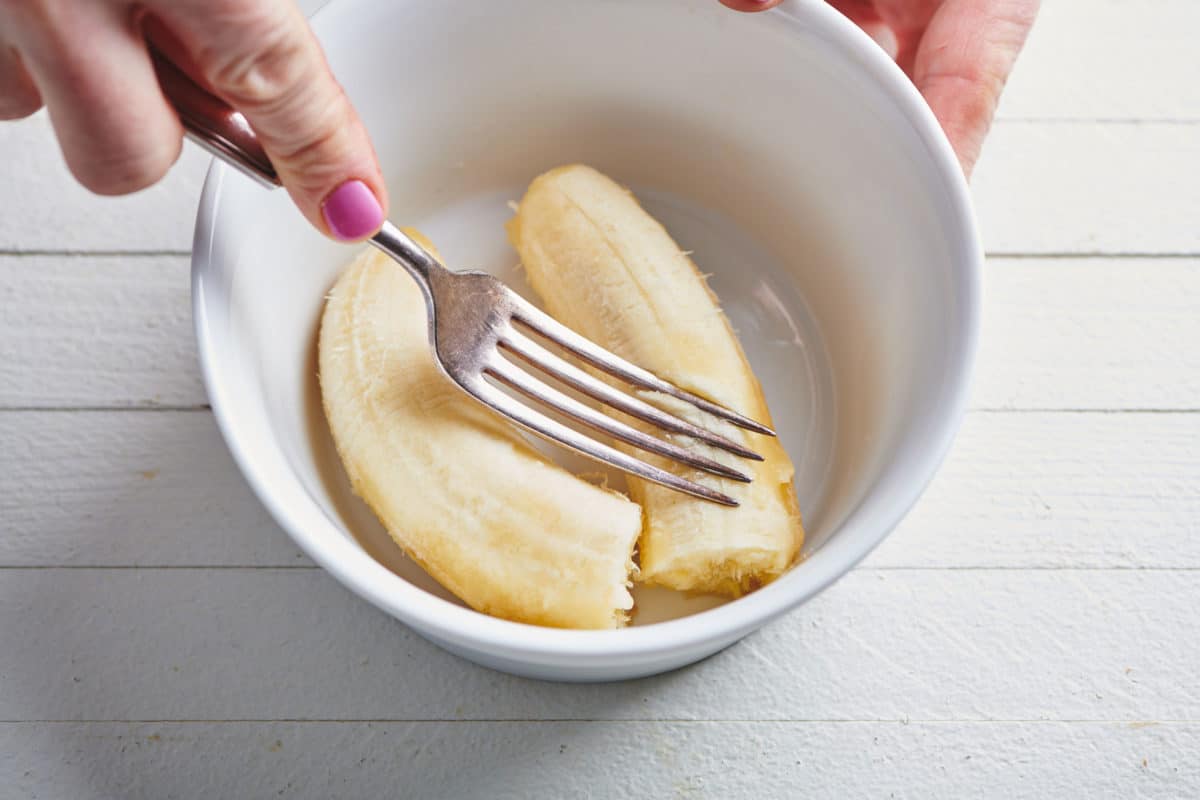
(1031, 630)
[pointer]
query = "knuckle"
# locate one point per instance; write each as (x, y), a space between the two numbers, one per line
(266, 69)
(319, 160)
(320, 139)
(126, 170)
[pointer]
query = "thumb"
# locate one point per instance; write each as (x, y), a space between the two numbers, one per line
(261, 57)
(963, 62)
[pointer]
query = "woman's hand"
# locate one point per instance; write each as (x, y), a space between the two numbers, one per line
(87, 61)
(958, 52)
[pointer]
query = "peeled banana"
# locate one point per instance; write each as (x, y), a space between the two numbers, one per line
(466, 497)
(606, 268)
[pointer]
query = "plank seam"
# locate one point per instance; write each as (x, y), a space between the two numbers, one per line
(1050, 410)
(1184, 121)
(903, 721)
(1080, 255)
(42, 253)
(104, 409)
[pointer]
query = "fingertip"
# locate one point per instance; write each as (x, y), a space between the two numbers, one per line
(335, 178)
(352, 212)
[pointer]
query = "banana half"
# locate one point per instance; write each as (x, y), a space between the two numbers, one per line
(495, 522)
(606, 268)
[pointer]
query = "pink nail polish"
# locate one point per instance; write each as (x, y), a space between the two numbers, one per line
(351, 211)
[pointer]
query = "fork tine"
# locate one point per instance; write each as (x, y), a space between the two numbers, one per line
(576, 378)
(513, 376)
(554, 431)
(550, 328)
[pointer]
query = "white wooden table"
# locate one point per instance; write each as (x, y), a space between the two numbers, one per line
(1032, 630)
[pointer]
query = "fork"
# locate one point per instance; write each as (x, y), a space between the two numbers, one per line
(475, 321)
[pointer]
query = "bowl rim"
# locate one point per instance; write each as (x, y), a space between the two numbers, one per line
(473, 630)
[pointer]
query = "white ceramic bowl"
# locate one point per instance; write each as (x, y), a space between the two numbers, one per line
(784, 148)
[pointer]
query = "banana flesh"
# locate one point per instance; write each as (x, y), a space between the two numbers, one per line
(495, 522)
(606, 268)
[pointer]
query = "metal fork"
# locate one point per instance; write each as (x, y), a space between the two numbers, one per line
(475, 321)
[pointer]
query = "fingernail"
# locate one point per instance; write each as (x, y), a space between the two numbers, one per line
(351, 211)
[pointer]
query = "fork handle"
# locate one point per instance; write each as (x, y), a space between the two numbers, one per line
(211, 123)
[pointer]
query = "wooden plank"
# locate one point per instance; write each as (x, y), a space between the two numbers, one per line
(89, 331)
(43, 208)
(183, 644)
(1060, 490)
(1046, 188)
(1037, 490)
(514, 760)
(115, 331)
(125, 489)
(1108, 59)
(1090, 334)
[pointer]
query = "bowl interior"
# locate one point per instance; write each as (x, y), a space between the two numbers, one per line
(828, 216)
